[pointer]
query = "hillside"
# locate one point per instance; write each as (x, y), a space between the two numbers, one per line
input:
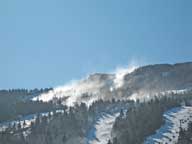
(126, 107)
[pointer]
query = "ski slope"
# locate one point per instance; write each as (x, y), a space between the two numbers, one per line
(169, 132)
(101, 132)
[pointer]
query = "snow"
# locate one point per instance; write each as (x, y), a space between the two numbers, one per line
(99, 86)
(169, 132)
(146, 96)
(181, 91)
(74, 92)
(101, 132)
(120, 74)
(27, 119)
(94, 85)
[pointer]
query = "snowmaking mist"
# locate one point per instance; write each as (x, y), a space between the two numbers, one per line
(90, 88)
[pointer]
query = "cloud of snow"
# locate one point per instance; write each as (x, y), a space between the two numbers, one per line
(120, 72)
(73, 92)
(76, 90)
(57, 92)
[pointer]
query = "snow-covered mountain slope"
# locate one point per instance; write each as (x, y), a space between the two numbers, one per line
(25, 121)
(169, 132)
(101, 129)
(95, 86)
(101, 132)
(142, 96)
(133, 82)
(157, 78)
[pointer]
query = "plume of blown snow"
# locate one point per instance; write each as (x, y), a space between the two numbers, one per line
(58, 92)
(73, 92)
(121, 72)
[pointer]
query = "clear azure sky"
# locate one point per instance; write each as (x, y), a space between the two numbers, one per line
(47, 43)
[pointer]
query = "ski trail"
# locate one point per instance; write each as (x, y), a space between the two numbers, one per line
(169, 132)
(102, 129)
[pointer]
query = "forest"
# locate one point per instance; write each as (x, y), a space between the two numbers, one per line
(136, 120)
(145, 118)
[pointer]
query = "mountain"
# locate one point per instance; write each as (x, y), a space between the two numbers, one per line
(153, 79)
(111, 116)
(131, 83)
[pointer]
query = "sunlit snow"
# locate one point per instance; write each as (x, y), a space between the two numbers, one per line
(75, 90)
(102, 129)
(169, 132)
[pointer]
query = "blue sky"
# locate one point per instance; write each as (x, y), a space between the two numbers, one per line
(49, 42)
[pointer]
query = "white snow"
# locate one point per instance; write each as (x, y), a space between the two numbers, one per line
(103, 129)
(146, 96)
(120, 74)
(71, 92)
(92, 85)
(181, 91)
(169, 132)
(27, 119)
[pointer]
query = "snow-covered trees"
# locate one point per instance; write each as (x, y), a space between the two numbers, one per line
(185, 136)
(144, 119)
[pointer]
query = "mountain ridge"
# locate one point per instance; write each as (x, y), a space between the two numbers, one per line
(145, 80)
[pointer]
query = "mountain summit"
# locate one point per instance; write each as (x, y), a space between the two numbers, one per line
(142, 81)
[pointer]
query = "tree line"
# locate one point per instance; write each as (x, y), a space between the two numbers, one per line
(144, 119)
